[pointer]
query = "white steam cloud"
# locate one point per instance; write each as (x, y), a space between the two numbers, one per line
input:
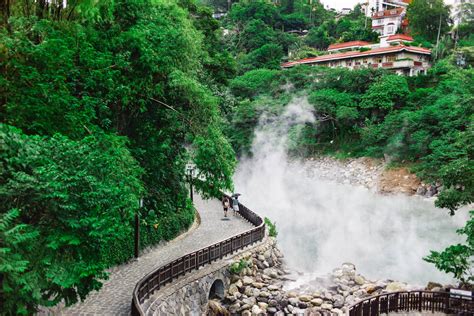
(322, 224)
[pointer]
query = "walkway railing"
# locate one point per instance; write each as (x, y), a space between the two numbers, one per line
(193, 261)
(416, 301)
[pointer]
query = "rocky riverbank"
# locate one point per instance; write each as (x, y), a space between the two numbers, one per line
(258, 288)
(370, 173)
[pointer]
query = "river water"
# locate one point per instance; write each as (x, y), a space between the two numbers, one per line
(322, 224)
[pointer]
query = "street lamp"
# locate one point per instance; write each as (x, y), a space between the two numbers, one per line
(190, 167)
(137, 229)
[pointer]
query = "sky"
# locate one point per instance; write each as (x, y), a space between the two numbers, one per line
(339, 4)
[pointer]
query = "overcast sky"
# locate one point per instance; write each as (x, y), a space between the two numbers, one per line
(339, 4)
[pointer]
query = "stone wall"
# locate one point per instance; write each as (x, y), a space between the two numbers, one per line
(189, 295)
(192, 298)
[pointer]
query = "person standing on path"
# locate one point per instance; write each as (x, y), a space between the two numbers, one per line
(235, 203)
(225, 204)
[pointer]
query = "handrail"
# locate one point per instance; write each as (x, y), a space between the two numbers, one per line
(406, 301)
(194, 260)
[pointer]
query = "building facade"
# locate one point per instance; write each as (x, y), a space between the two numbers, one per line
(396, 57)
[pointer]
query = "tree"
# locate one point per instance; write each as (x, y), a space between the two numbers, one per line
(427, 17)
(19, 294)
(385, 94)
(253, 82)
(77, 196)
(458, 259)
(256, 34)
(268, 56)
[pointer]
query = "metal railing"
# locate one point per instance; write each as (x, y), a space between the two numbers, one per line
(193, 261)
(414, 301)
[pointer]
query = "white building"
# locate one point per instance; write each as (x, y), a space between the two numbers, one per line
(373, 6)
(393, 55)
(388, 22)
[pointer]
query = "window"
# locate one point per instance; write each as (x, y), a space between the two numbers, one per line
(365, 60)
(379, 60)
(390, 29)
(391, 57)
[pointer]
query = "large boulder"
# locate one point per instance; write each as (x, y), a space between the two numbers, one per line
(395, 287)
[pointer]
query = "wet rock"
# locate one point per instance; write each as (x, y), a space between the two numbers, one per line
(326, 306)
(305, 298)
(234, 308)
(395, 287)
(256, 310)
(431, 285)
(359, 280)
(338, 301)
(317, 301)
(233, 289)
(247, 280)
(264, 294)
(293, 301)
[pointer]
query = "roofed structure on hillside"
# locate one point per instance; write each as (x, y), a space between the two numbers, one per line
(347, 45)
(401, 59)
(388, 22)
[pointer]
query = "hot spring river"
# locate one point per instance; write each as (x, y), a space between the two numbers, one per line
(322, 224)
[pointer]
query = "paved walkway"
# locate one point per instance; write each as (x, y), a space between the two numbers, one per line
(115, 296)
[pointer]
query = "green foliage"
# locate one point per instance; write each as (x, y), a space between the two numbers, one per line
(458, 259)
(152, 72)
(78, 196)
(387, 93)
(253, 82)
(215, 162)
(238, 267)
(426, 16)
(18, 276)
(272, 231)
(268, 56)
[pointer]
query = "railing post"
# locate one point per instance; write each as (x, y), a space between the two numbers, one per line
(420, 295)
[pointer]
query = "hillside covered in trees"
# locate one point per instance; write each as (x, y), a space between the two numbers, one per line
(104, 103)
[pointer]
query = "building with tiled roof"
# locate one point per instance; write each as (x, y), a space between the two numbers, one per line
(400, 59)
(387, 22)
(347, 45)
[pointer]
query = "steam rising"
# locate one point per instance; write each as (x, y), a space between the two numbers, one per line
(322, 224)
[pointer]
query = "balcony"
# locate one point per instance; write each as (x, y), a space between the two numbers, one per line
(408, 63)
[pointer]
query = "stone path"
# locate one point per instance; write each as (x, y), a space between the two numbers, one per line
(115, 297)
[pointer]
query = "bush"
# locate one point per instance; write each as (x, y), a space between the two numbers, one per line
(253, 82)
(237, 267)
(272, 232)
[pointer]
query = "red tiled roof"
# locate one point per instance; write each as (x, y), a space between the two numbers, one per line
(348, 44)
(387, 13)
(400, 37)
(376, 51)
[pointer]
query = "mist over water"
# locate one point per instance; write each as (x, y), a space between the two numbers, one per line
(322, 224)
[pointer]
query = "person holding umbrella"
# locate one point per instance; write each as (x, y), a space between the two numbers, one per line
(235, 202)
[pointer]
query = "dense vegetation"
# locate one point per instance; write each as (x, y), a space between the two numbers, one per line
(103, 104)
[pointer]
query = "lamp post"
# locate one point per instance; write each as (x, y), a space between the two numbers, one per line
(137, 229)
(190, 167)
